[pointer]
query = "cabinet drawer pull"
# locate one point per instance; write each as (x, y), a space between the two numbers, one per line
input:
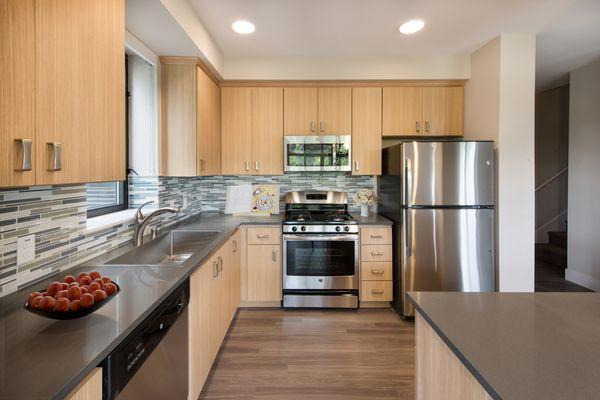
(377, 271)
(25, 164)
(377, 253)
(274, 255)
(262, 236)
(376, 236)
(376, 291)
(55, 160)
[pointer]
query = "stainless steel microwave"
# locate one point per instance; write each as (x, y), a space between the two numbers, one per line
(318, 153)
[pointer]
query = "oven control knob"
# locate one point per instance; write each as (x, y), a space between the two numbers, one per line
(303, 228)
(346, 228)
(294, 229)
(337, 228)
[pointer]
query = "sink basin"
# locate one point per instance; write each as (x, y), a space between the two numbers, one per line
(171, 249)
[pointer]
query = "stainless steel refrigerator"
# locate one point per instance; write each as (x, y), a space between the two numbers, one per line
(440, 196)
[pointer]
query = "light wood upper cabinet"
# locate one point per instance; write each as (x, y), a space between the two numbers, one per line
(300, 111)
(191, 143)
(208, 125)
(335, 111)
(236, 130)
(443, 111)
(75, 117)
(366, 131)
(267, 130)
(17, 86)
(402, 111)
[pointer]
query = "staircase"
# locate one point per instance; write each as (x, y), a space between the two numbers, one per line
(555, 251)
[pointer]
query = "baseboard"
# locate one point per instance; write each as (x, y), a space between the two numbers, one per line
(265, 304)
(582, 279)
(375, 304)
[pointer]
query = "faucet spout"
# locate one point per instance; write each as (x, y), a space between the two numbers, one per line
(141, 221)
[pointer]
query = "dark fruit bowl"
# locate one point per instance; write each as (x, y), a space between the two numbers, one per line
(71, 314)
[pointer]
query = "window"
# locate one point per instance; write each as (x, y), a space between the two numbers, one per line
(105, 197)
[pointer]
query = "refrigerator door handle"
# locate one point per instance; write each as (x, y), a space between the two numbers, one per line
(408, 234)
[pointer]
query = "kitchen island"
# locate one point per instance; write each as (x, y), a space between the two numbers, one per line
(507, 345)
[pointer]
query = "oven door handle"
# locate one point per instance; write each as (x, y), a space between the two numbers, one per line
(320, 238)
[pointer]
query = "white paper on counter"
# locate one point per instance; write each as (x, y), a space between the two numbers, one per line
(239, 199)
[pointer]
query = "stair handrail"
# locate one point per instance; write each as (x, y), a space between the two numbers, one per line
(551, 220)
(552, 178)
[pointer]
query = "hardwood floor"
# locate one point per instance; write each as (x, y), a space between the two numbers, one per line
(310, 355)
(550, 278)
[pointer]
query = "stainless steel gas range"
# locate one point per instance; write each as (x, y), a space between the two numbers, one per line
(320, 250)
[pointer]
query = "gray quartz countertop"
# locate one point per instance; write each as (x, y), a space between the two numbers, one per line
(372, 219)
(521, 345)
(45, 359)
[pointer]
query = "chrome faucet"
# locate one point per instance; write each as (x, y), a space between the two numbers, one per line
(140, 221)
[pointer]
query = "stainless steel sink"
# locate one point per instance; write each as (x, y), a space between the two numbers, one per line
(171, 249)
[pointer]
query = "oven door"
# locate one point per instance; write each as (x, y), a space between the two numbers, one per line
(318, 153)
(320, 262)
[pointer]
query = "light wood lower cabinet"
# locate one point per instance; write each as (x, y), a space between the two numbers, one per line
(90, 388)
(261, 276)
(439, 373)
(214, 298)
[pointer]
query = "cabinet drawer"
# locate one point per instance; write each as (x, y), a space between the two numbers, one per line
(376, 271)
(376, 291)
(260, 235)
(376, 235)
(373, 252)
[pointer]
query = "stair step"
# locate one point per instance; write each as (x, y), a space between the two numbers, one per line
(558, 238)
(551, 254)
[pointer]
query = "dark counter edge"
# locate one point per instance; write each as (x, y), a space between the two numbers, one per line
(470, 367)
(374, 219)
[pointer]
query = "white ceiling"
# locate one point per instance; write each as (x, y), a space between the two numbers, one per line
(368, 27)
(570, 41)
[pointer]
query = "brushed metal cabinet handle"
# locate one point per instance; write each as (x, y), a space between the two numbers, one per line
(215, 268)
(202, 166)
(377, 271)
(356, 165)
(427, 126)
(376, 236)
(376, 253)
(274, 255)
(55, 161)
(376, 291)
(262, 236)
(25, 159)
(313, 126)
(256, 165)
(235, 246)
(418, 126)
(247, 163)
(220, 261)
(322, 127)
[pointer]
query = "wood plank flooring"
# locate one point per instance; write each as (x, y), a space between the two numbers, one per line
(315, 355)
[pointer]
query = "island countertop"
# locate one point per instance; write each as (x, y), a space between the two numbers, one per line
(521, 345)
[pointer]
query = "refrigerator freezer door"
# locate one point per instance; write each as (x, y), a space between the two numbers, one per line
(446, 250)
(448, 173)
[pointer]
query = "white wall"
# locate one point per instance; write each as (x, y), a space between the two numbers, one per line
(454, 66)
(499, 106)
(584, 183)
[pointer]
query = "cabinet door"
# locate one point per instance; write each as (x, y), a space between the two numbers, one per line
(215, 321)
(199, 314)
(209, 125)
(402, 111)
(264, 273)
(17, 86)
(443, 111)
(267, 131)
(179, 136)
(80, 90)
(235, 262)
(90, 388)
(236, 131)
(366, 131)
(300, 111)
(335, 111)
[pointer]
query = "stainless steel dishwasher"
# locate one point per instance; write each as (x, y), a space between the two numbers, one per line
(152, 362)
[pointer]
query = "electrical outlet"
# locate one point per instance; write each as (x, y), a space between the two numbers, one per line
(25, 249)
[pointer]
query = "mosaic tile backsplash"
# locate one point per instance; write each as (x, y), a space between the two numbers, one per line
(57, 216)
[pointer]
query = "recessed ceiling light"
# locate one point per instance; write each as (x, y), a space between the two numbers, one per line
(243, 27)
(412, 26)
